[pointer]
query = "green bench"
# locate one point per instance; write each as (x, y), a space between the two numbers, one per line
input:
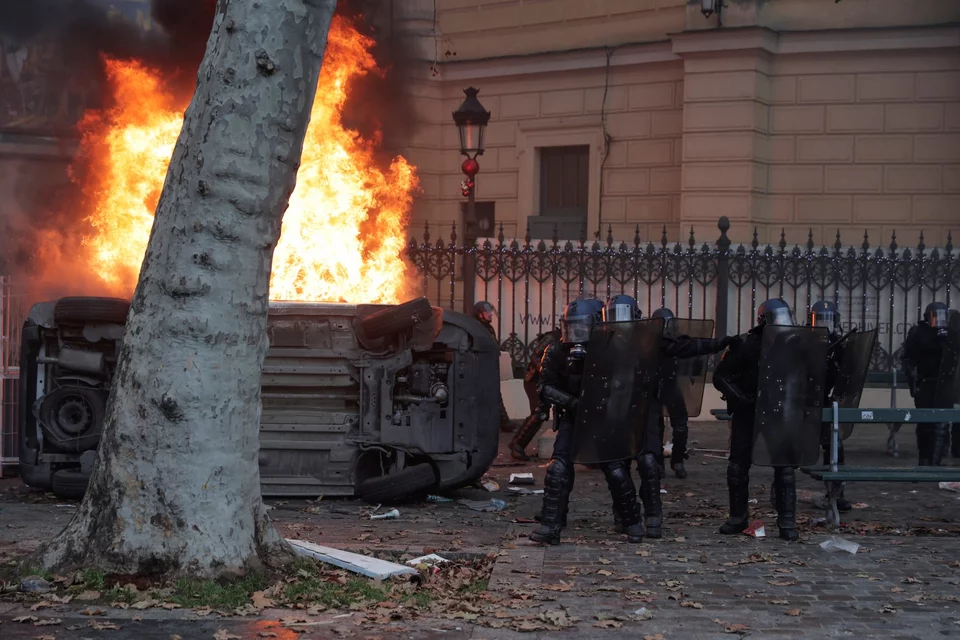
(833, 474)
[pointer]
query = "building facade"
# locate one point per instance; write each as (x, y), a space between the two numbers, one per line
(783, 115)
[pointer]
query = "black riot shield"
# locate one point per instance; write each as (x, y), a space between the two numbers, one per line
(790, 392)
(619, 384)
(688, 377)
(948, 380)
(854, 362)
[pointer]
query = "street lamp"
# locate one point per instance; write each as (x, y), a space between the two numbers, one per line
(707, 7)
(471, 120)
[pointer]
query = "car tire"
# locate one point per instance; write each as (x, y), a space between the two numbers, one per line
(70, 485)
(87, 402)
(395, 319)
(81, 310)
(404, 484)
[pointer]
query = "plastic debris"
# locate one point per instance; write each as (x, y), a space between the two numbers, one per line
(950, 486)
(364, 565)
(491, 485)
(836, 543)
(663, 492)
(523, 491)
(524, 521)
(438, 499)
(393, 514)
(753, 501)
(430, 560)
(756, 530)
(522, 478)
(643, 613)
(484, 505)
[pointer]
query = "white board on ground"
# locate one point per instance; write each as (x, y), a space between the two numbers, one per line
(364, 565)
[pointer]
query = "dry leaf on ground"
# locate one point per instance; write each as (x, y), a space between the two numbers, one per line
(223, 634)
(658, 636)
(92, 612)
(45, 638)
(47, 623)
(102, 626)
(794, 612)
(690, 604)
(604, 572)
(604, 561)
(779, 602)
(144, 604)
(560, 586)
(260, 600)
(88, 596)
(25, 619)
(608, 624)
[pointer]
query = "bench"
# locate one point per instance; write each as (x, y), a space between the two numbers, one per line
(833, 474)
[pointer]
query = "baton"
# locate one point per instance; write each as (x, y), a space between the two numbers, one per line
(842, 339)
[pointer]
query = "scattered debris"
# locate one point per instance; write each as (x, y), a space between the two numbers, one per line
(524, 521)
(756, 530)
(484, 505)
(393, 514)
(795, 613)
(432, 498)
(364, 565)
(836, 543)
(34, 584)
(642, 614)
(429, 560)
(950, 486)
(491, 485)
(523, 491)
(522, 478)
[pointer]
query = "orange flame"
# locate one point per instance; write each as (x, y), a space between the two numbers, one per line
(344, 231)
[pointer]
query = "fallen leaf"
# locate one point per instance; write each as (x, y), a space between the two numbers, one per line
(604, 572)
(61, 599)
(911, 580)
(793, 612)
(897, 590)
(690, 604)
(88, 596)
(175, 637)
(260, 600)
(779, 602)
(169, 606)
(735, 628)
(607, 624)
(560, 586)
(203, 611)
(41, 605)
(47, 623)
(144, 604)
(137, 618)
(223, 634)
(267, 634)
(916, 598)
(92, 612)
(643, 553)
(25, 619)
(45, 638)
(102, 626)
(246, 610)
(782, 583)
(604, 561)
(658, 636)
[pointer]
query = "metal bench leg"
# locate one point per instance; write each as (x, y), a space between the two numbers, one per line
(833, 514)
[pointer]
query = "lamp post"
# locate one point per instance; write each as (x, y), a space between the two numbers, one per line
(707, 8)
(471, 120)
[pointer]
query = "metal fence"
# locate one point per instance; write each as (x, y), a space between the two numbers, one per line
(530, 281)
(12, 311)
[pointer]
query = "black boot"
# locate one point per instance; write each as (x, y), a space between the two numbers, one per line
(925, 445)
(785, 486)
(649, 468)
(738, 487)
(556, 497)
(624, 493)
(843, 505)
(528, 430)
(940, 441)
(955, 442)
(680, 435)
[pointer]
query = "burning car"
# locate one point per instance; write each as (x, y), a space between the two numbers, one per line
(381, 401)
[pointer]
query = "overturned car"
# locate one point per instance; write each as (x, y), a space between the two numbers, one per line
(382, 402)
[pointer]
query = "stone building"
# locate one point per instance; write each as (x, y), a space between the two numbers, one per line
(780, 114)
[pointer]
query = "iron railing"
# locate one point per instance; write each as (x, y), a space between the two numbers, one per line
(530, 281)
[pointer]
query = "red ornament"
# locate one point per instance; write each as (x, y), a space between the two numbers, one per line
(470, 167)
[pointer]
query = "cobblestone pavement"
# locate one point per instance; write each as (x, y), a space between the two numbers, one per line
(904, 581)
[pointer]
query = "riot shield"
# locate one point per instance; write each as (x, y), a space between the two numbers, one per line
(948, 380)
(852, 373)
(619, 384)
(790, 391)
(690, 374)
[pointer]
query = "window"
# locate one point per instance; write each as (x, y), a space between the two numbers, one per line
(564, 182)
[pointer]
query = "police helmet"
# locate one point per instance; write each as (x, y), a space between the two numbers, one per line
(484, 311)
(774, 311)
(664, 313)
(578, 320)
(936, 315)
(825, 314)
(621, 308)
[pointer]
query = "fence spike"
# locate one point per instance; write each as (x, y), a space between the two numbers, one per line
(663, 237)
(426, 232)
(810, 243)
(783, 239)
(866, 242)
(723, 242)
(893, 242)
(949, 245)
(756, 241)
(921, 246)
(500, 235)
(693, 241)
(837, 245)
(610, 235)
(636, 237)
(526, 237)
(556, 235)
(453, 235)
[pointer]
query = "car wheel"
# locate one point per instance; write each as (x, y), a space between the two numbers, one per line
(70, 485)
(81, 310)
(72, 417)
(403, 484)
(395, 319)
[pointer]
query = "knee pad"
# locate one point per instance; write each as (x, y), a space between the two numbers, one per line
(736, 471)
(617, 471)
(559, 473)
(680, 429)
(647, 463)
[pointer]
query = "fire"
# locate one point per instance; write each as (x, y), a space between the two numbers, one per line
(344, 231)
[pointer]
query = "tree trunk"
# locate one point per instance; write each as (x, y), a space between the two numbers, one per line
(176, 487)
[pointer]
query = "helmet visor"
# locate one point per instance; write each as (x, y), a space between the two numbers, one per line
(779, 316)
(937, 318)
(576, 329)
(827, 319)
(618, 313)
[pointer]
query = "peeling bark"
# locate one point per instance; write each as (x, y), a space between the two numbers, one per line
(176, 487)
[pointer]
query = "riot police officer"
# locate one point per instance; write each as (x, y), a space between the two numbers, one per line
(539, 410)
(736, 377)
(622, 308)
(923, 351)
(485, 313)
(826, 314)
(675, 404)
(561, 377)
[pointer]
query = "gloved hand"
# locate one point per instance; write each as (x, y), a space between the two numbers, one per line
(728, 341)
